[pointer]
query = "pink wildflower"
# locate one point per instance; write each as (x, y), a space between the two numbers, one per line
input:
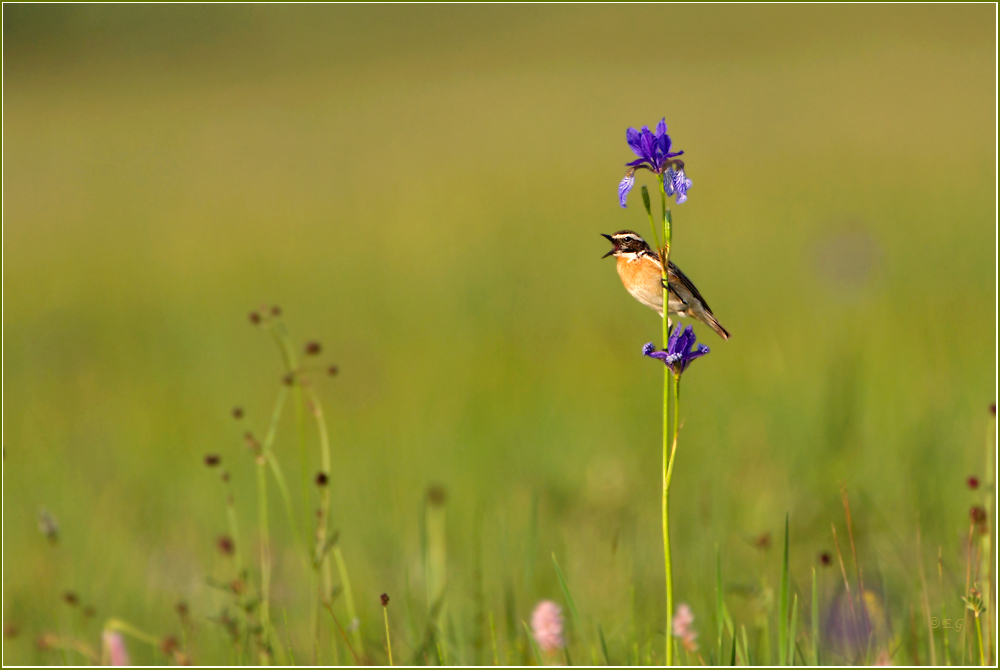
(547, 625)
(684, 628)
(114, 648)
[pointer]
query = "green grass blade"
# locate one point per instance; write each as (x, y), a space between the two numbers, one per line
(783, 604)
(604, 645)
(746, 646)
(815, 620)
(569, 598)
(791, 631)
(533, 644)
(719, 622)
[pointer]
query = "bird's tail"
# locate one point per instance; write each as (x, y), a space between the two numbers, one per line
(709, 319)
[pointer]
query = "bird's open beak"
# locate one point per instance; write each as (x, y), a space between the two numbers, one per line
(612, 241)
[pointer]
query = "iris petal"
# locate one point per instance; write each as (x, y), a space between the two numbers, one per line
(624, 187)
(632, 137)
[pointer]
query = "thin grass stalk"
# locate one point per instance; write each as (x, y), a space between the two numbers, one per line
(989, 538)
(793, 622)
(668, 460)
(854, 554)
(345, 582)
(968, 586)
(338, 556)
(944, 613)
(263, 521)
(388, 639)
(979, 633)
(843, 572)
(323, 524)
(783, 604)
(926, 600)
(493, 640)
(649, 213)
(719, 603)
(265, 557)
(234, 530)
(815, 619)
(284, 343)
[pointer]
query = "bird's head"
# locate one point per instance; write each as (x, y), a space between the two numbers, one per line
(625, 243)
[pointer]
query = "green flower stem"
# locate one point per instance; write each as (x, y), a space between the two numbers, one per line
(649, 213)
(262, 512)
(284, 343)
(979, 632)
(323, 526)
(234, 530)
(265, 555)
(388, 641)
(670, 396)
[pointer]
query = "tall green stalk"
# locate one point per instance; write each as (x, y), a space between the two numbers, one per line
(671, 393)
(265, 556)
(671, 386)
(265, 532)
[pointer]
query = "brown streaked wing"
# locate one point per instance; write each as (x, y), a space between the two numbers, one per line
(686, 283)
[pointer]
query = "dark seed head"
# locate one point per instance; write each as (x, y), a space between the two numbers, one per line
(763, 541)
(288, 379)
(10, 630)
(89, 611)
(313, 348)
(255, 318)
(385, 600)
(181, 608)
(71, 599)
(225, 476)
(211, 460)
(332, 370)
(322, 479)
(993, 409)
(977, 514)
(275, 311)
(226, 545)
(972, 482)
(436, 495)
(237, 413)
(825, 559)
(168, 645)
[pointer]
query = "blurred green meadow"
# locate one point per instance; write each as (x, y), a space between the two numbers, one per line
(421, 189)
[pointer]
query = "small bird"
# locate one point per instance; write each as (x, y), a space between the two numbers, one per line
(642, 274)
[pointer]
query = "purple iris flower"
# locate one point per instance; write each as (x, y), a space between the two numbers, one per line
(653, 151)
(676, 183)
(679, 352)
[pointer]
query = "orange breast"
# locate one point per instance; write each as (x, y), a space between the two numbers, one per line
(642, 279)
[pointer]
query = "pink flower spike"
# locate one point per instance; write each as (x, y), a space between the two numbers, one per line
(683, 628)
(547, 626)
(114, 648)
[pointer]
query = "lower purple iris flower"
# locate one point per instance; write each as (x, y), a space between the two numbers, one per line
(679, 352)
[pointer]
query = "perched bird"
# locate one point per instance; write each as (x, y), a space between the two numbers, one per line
(642, 274)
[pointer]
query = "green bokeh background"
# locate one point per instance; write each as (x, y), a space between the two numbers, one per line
(421, 189)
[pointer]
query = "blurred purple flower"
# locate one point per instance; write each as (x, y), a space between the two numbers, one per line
(547, 626)
(114, 647)
(677, 183)
(653, 151)
(679, 352)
